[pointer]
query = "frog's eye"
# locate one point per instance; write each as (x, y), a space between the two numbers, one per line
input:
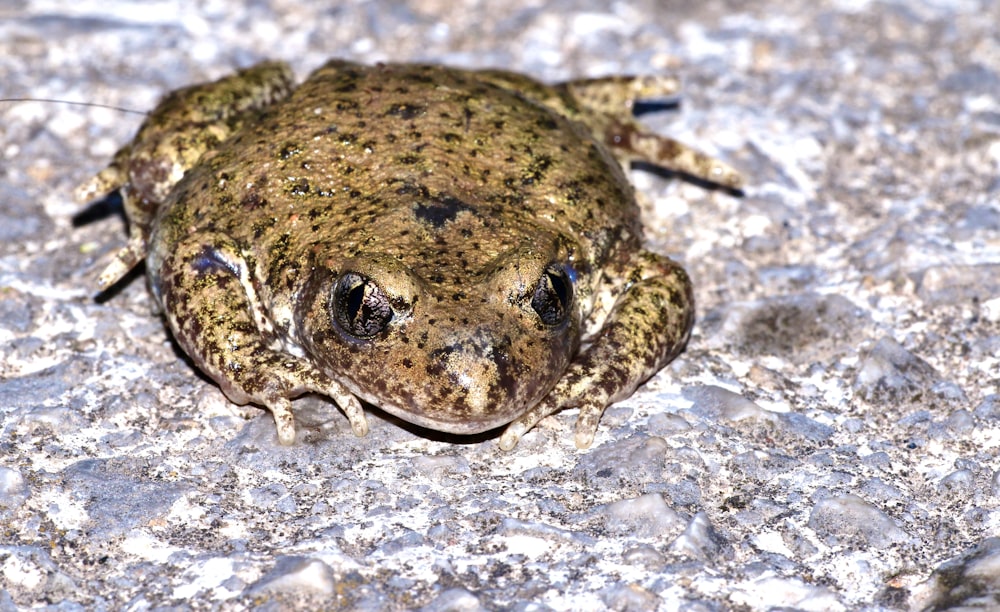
(359, 306)
(553, 295)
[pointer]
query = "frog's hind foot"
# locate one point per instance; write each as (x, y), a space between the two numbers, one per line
(630, 142)
(612, 101)
(618, 95)
(107, 181)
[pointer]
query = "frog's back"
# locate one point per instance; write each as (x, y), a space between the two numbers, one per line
(418, 160)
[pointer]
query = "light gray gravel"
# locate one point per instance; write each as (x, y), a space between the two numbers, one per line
(829, 441)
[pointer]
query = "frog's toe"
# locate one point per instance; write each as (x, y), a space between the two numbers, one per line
(125, 259)
(355, 414)
(631, 143)
(527, 421)
(586, 426)
(512, 435)
(284, 422)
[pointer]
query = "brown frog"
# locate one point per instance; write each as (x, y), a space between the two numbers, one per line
(459, 248)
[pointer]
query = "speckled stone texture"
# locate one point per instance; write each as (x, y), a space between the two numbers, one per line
(829, 441)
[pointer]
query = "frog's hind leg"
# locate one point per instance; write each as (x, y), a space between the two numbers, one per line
(184, 125)
(610, 102)
(213, 311)
(114, 178)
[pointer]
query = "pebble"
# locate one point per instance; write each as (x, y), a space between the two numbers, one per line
(700, 540)
(889, 373)
(13, 491)
(297, 575)
(455, 600)
(644, 516)
(644, 556)
(629, 598)
(959, 284)
(849, 520)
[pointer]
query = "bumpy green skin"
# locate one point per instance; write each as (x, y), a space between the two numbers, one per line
(437, 242)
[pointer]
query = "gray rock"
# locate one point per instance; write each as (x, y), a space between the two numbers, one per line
(629, 598)
(889, 373)
(800, 328)
(849, 520)
(13, 490)
(700, 541)
(455, 600)
(296, 576)
(643, 516)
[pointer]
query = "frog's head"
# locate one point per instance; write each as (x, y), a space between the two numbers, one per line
(460, 357)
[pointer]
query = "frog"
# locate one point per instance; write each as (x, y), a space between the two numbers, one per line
(460, 248)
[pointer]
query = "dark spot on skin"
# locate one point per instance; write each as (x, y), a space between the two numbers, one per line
(252, 201)
(406, 111)
(546, 122)
(439, 211)
(300, 187)
(261, 227)
(536, 170)
(289, 150)
(409, 159)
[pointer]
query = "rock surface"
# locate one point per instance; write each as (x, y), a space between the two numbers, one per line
(829, 441)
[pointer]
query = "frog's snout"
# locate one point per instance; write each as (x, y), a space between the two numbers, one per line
(479, 372)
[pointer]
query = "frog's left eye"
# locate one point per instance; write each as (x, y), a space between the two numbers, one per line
(360, 307)
(553, 295)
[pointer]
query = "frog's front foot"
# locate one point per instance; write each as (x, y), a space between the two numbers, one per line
(591, 410)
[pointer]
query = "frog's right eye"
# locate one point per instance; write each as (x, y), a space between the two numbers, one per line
(553, 295)
(360, 307)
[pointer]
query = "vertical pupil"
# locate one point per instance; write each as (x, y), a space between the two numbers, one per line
(355, 303)
(552, 296)
(558, 284)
